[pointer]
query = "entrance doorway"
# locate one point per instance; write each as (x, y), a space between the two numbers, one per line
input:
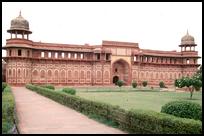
(115, 79)
(120, 69)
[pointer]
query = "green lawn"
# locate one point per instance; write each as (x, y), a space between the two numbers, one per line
(137, 99)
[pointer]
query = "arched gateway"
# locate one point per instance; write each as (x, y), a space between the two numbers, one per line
(120, 71)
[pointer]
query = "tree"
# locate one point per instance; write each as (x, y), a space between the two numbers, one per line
(193, 83)
(120, 83)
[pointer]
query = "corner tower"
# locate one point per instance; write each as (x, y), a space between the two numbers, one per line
(18, 52)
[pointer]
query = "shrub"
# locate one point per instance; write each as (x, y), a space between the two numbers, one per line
(134, 121)
(144, 83)
(184, 109)
(120, 83)
(69, 91)
(134, 84)
(4, 84)
(49, 86)
(161, 84)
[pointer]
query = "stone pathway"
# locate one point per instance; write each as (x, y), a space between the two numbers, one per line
(40, 115)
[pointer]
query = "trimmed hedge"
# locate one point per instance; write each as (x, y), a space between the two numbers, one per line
(183, 109)
(161, 84)
(8, 104)
(144, 83)
(132, 121)
(49, 86)
(161, 123)
(120, 83)
(71, 91)
(4, 84)
(134, 84)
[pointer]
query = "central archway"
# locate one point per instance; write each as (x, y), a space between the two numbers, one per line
(120, 69)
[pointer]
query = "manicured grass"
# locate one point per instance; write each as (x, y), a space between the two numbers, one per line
(138, 99)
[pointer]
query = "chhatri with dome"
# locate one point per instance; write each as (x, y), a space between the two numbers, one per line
(28, 61)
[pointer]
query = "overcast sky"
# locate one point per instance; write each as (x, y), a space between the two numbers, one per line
(157, 26)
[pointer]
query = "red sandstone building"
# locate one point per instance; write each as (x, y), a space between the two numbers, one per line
(66, 64)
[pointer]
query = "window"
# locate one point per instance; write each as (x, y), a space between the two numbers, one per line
(75, 56)
(19, 52)
(116, 70)
(42, 54)
(62, 54)
(107, 56)
(150, 59)
(134, 58)
(98, 56)
(69, 55)
(56, 55)
(82, 56)
(187, 61)
(28, 53)
(194, 61)
(49, 54)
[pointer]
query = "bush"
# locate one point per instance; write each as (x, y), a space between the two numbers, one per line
(136, 121)
(183, 109)
(161, 84)
(144, 83)
(4, 84)
(8, 104)
(49, 86)
(120, 83)
(69, 91)
(134, 84)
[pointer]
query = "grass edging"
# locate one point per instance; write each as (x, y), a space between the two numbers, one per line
(8, 112)
(133, 121)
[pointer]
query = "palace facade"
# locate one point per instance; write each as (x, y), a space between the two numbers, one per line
(68, 64)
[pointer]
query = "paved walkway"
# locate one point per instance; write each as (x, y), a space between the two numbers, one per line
(38, 114)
